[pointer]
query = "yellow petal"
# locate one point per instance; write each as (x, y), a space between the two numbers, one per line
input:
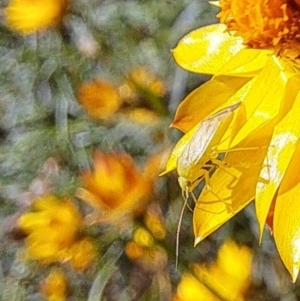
(281, 149)
(216, 3)
(33, 220)
(235, 260)
(47, 252)
(229, 276)
(247, 62)
(231, 187)
(287, 217)
(143, 237)
(210, 97)
(190, 289)
(264, 100)
(207, 49)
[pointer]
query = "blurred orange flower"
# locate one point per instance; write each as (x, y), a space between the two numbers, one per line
(28, 16)
(144, 89)
(115, 187)
(142, 116)
(55, 286)
(81, 254)
(140, 80)
(99, 98)
(53, 228)
(143, 250)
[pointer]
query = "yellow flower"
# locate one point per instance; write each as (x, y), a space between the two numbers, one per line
(28, 16)
(143, 116)
(81, 254)
(142, 80)
(142, 237)
(254, 57)
(55, 286)
(142, 88)
(143, 251)
(190, 289)
(133, 250)
(262, 23)
(99, 98)
(52, 227)
(115, 188)
(154, 221)
(228, 278)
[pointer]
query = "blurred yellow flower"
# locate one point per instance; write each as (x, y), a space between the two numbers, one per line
(139, 81)
(142, 115)
(151, 258)
(51, 227)
(190, 289)
(142, 237)
(28, 16)
(143, 89)
(99, 98)
(81, 254)
(115, 188)
(55, 286)
(226, 279)
(154, 221)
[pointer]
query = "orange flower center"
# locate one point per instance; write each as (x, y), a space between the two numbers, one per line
(262, 23)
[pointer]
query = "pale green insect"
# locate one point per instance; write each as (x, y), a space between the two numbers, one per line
(200, 149)
(199, 155)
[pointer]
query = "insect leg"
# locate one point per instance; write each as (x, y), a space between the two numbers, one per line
(185, 196)
(208, 187)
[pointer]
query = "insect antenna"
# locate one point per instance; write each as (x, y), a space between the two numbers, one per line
(185, 195)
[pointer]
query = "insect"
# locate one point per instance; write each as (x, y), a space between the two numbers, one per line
(198, 156)
(200, 149)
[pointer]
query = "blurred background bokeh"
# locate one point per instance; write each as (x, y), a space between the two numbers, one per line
(85, 109)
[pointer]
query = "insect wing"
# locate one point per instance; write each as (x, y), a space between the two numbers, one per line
(178, 149)
(204, 135)
(195, 149)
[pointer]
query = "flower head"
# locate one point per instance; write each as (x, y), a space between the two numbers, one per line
(141, 80)
(262, 23)
(115, 187)
(143, 251)
(51, 227)
(81, 254)
(227, 278)
(144, 89)
(28, 16)
(99, 98)
(55, 286)
(254, 59)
